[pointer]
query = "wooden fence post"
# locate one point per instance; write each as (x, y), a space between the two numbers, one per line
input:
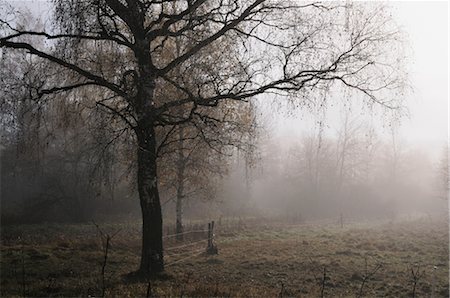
(209, 235)
(212, 248)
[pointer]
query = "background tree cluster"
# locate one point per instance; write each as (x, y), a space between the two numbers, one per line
(355, 169)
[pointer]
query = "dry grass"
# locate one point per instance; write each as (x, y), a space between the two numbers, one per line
(65, 260)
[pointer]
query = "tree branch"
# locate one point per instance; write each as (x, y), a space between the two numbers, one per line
(90, 76)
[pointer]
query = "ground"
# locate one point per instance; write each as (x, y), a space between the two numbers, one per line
(258, 259)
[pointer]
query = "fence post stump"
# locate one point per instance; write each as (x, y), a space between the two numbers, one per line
(209, 235)
(212, 248)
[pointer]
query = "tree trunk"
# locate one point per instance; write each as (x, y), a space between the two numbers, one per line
(179, 215)
(180, 185)
(152, 260)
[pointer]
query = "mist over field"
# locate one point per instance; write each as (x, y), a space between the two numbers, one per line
(224, 148)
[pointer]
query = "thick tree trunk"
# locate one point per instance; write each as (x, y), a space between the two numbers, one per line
(152, 260)
(180, 185)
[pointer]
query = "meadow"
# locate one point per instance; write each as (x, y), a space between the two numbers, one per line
(257, 258)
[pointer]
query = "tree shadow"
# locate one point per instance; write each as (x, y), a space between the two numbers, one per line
(141, 277)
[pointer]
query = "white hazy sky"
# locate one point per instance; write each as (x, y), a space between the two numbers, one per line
(425, 24)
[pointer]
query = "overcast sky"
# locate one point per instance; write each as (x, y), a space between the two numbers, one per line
(425, 24)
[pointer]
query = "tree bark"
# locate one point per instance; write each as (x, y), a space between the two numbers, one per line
(152, 259)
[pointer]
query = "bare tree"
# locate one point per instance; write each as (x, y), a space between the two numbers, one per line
(442, 178)
(194, 160)
(285, 48)
(347, 147)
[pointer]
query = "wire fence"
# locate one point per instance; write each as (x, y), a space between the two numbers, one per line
(186, 250)
(193, 254)
(192, 249)
(185, 245)
(183, 233)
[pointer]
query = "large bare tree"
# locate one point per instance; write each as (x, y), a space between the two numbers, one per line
(282, 48)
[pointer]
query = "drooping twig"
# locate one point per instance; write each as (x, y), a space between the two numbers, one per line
(149, 289)
(367, 275)
(105, 260)
(106, 242)
(23, 271)
(416, 273)
(281, 291)
(324, 278)
(321, 280)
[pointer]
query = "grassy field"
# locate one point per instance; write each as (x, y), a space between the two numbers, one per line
(271, 260)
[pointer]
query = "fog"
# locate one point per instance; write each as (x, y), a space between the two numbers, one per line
(419, 136)
(344, 158)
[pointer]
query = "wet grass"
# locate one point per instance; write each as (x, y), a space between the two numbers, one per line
(269, 261)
